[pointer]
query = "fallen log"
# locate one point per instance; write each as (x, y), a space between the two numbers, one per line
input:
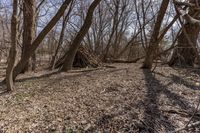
(127, 61)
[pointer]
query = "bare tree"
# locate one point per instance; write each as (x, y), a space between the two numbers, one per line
(79, 37)
(186, 51)
(153, 44)
(12, 54)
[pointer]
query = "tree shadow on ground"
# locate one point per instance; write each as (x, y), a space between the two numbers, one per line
(74, 72)
(181, 81)
(152, 113)
(3, 90)
(57, 80)
(83, 73)
(195, 71)
(37, 77)
(153, 117)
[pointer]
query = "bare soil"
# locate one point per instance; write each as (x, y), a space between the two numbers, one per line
(119, 99)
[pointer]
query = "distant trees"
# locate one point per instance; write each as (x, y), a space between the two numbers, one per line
(113, 31)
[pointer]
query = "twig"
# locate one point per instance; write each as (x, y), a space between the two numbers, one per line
(193, 113)
(188, 125)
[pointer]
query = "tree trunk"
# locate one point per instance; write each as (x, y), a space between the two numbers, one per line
(22, 63)
(60, 42)
(154, 43)
(186, 52)
(68, 63)
(28, 33)
(12, 54)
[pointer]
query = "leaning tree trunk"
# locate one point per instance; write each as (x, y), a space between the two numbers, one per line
(154, 41)
(68, 63)
(21, 64)
(184, 54)
(60, 42)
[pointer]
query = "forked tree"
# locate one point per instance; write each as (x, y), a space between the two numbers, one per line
(154, 43)
(37, 41)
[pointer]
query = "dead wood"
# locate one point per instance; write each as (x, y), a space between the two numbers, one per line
(84, 58)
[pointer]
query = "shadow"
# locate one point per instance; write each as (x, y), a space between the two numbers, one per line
(181, 81)
(102, 123)
(196, 71)
(155, 88)
(37, 77)
(152, 114)
(4, 92)
(83, 73)
(79, 73)
(161, 74)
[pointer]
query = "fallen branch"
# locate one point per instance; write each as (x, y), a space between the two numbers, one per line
(197, 108)
(195, 124)
(127, 61)
(85, 70)
(182, 113)
(188, 125)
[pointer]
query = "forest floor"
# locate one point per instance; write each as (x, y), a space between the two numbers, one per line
(119, 99)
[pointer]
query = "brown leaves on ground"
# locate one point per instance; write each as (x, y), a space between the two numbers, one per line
(125, 99)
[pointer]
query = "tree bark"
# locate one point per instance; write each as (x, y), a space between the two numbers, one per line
(186, 52)
(68, 63)
(12, 54)
(62, 34)
(21, 64)
(154, 43)
(28, 32)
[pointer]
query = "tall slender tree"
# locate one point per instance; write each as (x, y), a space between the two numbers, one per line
(13, 51)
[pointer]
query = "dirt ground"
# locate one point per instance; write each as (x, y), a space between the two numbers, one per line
(124, 99)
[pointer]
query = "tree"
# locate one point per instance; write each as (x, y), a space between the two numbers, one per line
(61, 37)
(153, 44)
(28, 28)
(12, 54)
(22, 63)
(186, 52)
(79, 37)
